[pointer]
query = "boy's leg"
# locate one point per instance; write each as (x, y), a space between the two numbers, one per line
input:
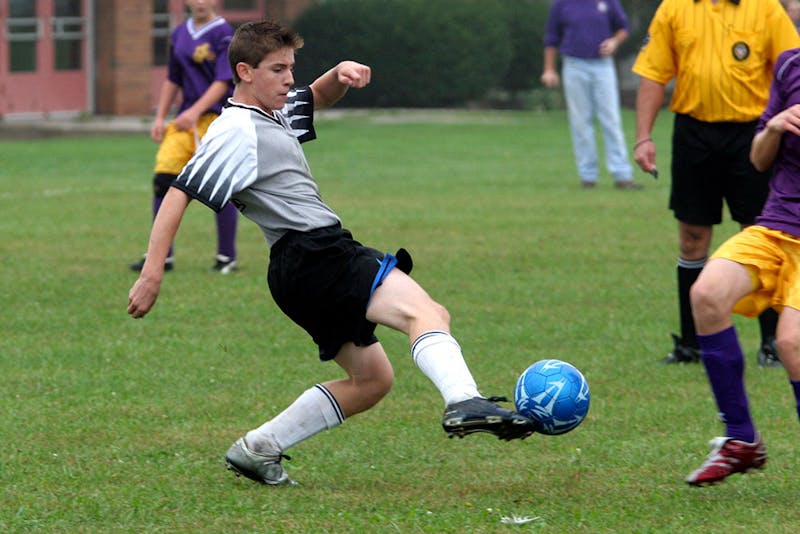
(741, 449)
(174, 152)
(322, 407)
(788, 335)
(768, 355)
(694, 241)
(400, 303)
(724, 363)
(161, 183)
(686, 348)
(258, 455)
(721, 284)
(226, 220)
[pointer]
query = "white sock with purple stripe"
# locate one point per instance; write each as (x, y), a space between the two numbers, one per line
(314, 410)
(439, 356)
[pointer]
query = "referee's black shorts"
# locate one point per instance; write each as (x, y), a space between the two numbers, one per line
(711, 163)
(321, 280)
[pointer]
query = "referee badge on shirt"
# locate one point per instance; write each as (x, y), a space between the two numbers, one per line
(740, 51)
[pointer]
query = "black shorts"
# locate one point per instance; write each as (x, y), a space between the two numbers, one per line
(711, 163)
(322, 280)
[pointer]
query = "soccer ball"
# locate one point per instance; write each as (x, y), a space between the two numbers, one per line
(554, 394)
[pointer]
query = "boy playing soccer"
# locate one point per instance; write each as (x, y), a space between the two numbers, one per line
(198, 76)
(756, 269)
(328, 283)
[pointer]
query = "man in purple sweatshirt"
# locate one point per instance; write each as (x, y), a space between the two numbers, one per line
(588, 33)
(756, 269)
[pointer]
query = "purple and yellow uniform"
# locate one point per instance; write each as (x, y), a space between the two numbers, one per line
(771, 248)
(198, 58)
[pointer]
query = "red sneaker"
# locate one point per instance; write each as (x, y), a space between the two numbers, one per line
(729, 456)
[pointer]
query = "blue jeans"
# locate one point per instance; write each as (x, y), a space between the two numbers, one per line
(592, 92)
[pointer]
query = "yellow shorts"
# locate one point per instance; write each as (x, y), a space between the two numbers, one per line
(178, 146)
(773, 259)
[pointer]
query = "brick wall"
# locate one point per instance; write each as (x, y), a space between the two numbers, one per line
(124, 57)
(124, 75)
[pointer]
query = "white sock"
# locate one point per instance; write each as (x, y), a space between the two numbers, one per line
(313, 411)
(438, 355)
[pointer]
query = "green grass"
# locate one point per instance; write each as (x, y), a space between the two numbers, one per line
(115, 425)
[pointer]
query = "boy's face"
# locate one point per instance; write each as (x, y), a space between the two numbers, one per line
(202, 10)
(267, 84)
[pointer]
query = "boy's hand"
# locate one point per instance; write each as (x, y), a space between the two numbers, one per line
(787, 120)
(142, 296)
(353, 74)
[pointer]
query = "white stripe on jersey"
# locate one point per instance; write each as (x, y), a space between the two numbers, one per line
(254, 159)
(205, 28)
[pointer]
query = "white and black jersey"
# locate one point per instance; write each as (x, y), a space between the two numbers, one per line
(254, 160)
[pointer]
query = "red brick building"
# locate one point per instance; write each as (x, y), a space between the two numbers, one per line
(106, 57)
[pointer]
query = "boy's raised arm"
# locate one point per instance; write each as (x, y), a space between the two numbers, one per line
(332, 86)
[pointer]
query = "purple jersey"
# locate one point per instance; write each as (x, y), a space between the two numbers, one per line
(782, 209)
(198, 58)
(577, 27)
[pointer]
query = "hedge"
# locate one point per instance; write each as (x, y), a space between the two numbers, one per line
(440, 53)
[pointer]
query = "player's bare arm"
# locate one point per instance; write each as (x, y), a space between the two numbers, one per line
(550, 78)
(609, 46)
(766, 143)
(332, 86)
(189, 117)
(144, 292)
(649, 99)
(169, 91)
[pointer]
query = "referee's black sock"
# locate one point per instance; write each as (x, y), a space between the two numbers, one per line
(768, 321)
(688, 271)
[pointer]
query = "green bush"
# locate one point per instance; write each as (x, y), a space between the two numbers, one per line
(526, 20)
(447, 53)
(423, 54)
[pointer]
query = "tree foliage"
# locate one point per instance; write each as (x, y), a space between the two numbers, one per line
(424, 54)
(441, 53)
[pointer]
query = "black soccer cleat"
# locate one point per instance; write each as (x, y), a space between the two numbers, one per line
(483, 415)
(768, 354)
(139, 265)
(682, 353)
(224, 264)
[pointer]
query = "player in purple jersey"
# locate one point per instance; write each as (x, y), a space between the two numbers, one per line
(587, 33)
(756, 269)
(200, 75)
(337, 289)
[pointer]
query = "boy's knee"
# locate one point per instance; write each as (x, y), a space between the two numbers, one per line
(704, 300)
(378, 387)
(696, 295)
(442, 312)
(789, 347)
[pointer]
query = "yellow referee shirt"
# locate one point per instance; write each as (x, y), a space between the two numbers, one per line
(720, 53)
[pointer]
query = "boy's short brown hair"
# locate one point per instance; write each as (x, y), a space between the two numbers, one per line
(254, 40)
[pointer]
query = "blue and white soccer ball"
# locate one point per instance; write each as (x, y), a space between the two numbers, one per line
(553, 393)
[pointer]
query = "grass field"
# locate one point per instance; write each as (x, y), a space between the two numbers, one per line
(115, 425)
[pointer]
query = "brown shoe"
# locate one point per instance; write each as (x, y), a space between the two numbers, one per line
(588, 185)
(628, 184)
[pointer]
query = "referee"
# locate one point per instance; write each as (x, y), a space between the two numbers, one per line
(721, 55)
